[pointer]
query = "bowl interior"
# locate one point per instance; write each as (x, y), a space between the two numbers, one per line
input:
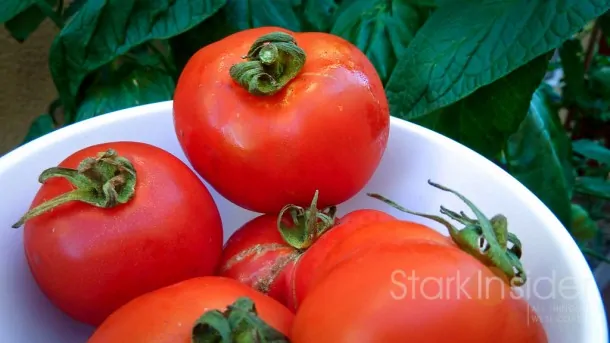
(560, 287)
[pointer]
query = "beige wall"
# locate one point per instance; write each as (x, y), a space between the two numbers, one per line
(26, 87)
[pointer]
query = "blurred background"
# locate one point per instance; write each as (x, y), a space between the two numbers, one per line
(26, 88)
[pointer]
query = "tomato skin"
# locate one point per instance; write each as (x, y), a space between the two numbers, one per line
(89, 261)
(166, 315)
(326, 130)
(257, 256)
(274, 267)
(414, 291)
(374, 234)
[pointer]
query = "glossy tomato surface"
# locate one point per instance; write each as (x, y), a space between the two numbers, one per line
(414, 291)
(167, 315)
(326, 130)
(356, 240)
(258, 256)
(89, 261)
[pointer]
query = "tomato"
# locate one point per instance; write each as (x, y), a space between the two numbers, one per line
(315, 118)
(91, 259)
(168, 315)
(397, 281)
(414, 291)
(257, 254)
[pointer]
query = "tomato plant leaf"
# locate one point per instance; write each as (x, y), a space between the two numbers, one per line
(11, 8)
(467, 44)
(595, 186)
(23, 24)
(40, 126)
(131, 85)
(102, 30)
(238, 15)
(583, 227)
(381, 29)
(484, 120)
(539, 156)
(72, 8)
(592, 150)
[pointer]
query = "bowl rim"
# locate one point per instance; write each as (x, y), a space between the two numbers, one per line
(565, 240)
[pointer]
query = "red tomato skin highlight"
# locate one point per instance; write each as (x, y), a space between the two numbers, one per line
(358, 240)
(326, 130)
(89, 261)
(168, 314)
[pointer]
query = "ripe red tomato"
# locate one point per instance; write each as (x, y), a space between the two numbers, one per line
(281, 132)
(167, 315)
(258, 256)
(414, 291)
(90, 260)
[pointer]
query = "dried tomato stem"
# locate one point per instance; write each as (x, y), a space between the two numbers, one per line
(104, 181)
(238, 324)
(272, 61)
(485, 239)
(308, 224)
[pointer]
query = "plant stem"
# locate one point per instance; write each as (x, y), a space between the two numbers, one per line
(60, 8)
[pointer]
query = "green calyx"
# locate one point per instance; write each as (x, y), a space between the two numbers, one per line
(104, 181)
(486, 239)
(272, 61)
(238, 324)
(308, 224)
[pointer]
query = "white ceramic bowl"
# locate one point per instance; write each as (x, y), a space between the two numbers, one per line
(560, 285)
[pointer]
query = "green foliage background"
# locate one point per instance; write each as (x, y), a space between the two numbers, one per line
(469, 69)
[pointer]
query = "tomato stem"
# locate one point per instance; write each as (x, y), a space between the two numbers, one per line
(104, 181)
(238, 324)
(486, 239)
(309, 224)
(272, 61)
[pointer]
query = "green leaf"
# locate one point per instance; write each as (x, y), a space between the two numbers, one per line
(484, 120)
(381, 29)
(467, 44)
(572, 61)
(583, 227)
(40, 126)
(73, 7)
(11, 8)
(539, 156)
(238, 15)
(599, 79)
(131, 85)
(295, 15)
(595, 186)
(23, 24)
(592, 150)
(102, 30)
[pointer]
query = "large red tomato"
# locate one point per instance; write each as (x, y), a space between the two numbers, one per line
(154, 224)
(414, 291)
(397, 281)
(307, 112)
(168, 315)
(257, 254)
